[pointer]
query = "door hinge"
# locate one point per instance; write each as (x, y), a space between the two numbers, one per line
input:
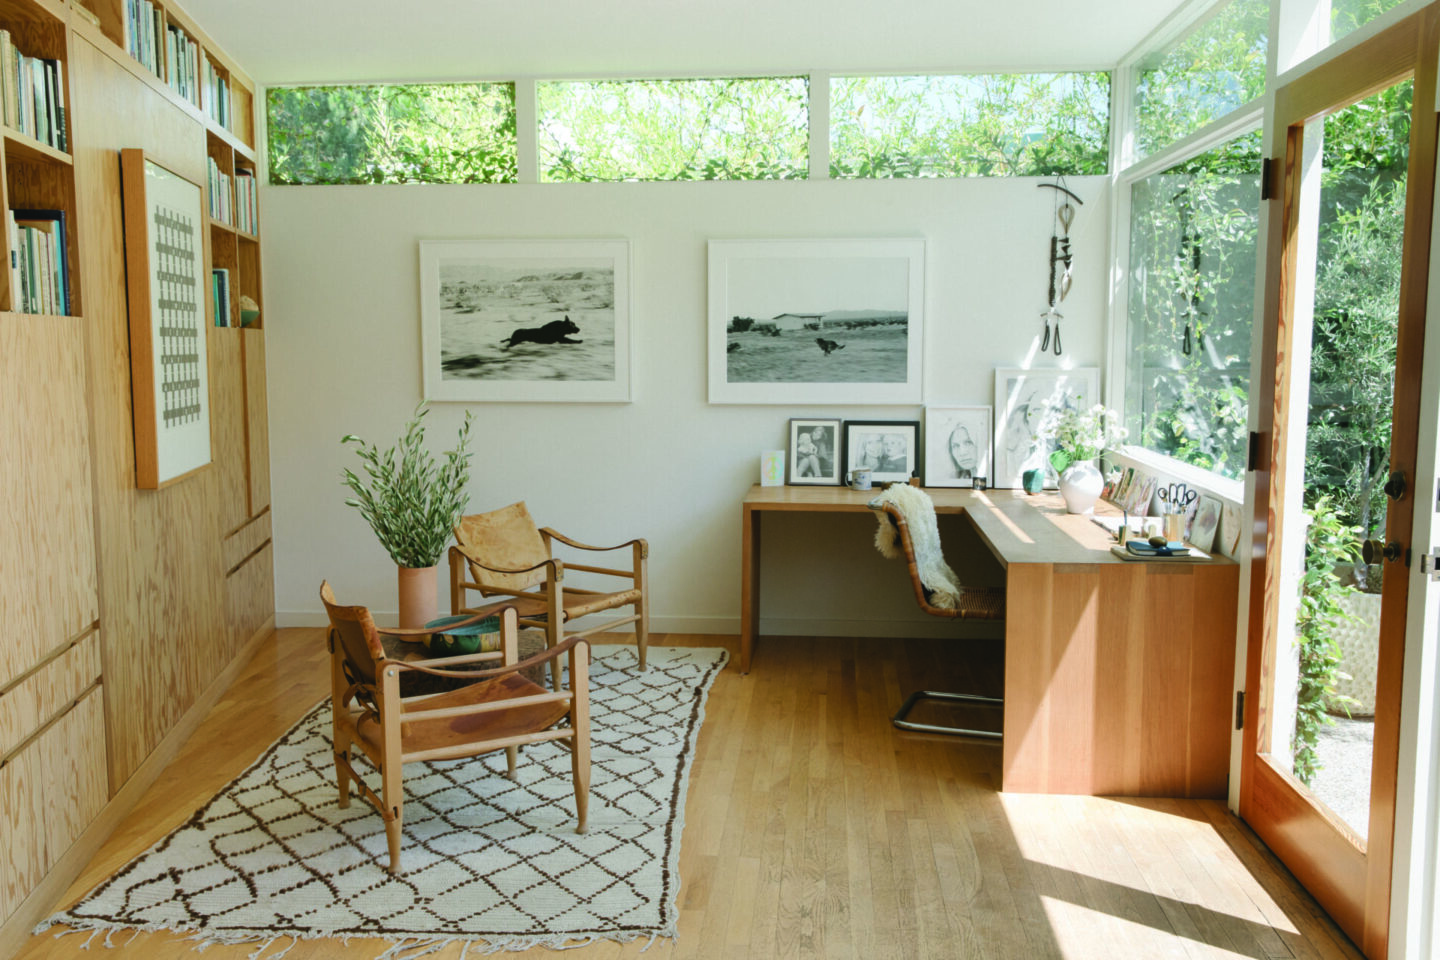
(1267, 173)
(1252, 454)
(1437, 496)
(1430, 564)
(1239, 709)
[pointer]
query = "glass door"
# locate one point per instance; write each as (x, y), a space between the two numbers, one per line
(1347, 265)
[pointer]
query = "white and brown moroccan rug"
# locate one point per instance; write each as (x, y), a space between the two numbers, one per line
(273, 856)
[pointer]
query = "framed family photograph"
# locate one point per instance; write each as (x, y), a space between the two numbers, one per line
(815, 452)
(526, 320)
(957, 446)
(816, 321)
(166, 283)
(1024, 401)
(890, 449)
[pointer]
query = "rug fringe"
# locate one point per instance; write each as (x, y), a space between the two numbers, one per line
(408, 948)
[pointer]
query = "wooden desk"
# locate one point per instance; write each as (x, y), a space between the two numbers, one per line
(1118, 675)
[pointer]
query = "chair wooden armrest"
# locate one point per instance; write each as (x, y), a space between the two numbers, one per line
(542, 657)
(406, 633)
(548, 533)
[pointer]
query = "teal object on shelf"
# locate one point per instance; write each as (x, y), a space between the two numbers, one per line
(482, 636)
(1034, 480)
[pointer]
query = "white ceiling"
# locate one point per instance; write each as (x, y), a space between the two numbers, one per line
(299, 41)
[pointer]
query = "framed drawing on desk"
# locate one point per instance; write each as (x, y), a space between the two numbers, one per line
(1024, 401)
(957, 445)
(816, 321)
(165, 280)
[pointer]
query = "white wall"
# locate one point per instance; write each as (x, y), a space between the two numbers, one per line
(342, 322)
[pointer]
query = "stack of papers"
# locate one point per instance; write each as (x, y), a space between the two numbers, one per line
(1144, 550)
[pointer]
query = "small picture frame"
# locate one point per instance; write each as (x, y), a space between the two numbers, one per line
(815, 453)
(1207, 520)
(957, 445)
(890, 449)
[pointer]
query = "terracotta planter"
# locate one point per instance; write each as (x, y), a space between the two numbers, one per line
(417, 596)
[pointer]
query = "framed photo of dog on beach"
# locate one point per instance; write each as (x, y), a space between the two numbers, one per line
(816, 321)
(526, 320)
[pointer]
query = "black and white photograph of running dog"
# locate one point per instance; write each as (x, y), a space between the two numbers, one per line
(842, 320)
(515, 314)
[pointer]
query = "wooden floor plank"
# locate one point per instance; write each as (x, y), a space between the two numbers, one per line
(815, 829)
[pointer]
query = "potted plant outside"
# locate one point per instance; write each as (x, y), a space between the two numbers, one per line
(412, 502)
(1080, 436)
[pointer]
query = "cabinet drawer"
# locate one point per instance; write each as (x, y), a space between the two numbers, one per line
(49, 793)
(29, 705)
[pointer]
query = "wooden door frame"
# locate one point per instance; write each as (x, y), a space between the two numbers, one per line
(1294, 825)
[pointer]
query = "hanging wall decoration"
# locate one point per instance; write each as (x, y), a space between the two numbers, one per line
(1060, 256)
(165, 273)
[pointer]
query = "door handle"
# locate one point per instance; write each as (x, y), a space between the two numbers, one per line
(1395, 487)
(1373, 551)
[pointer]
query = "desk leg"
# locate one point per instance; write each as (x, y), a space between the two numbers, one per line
(749, 584)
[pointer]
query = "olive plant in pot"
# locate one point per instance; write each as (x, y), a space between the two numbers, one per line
(412, 501)
(1080, 436)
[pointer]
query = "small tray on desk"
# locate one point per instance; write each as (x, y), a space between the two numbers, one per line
(1161, 555)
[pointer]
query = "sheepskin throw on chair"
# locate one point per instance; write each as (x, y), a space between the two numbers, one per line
(941, 585)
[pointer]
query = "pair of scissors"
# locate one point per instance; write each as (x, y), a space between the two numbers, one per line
(1178, 496)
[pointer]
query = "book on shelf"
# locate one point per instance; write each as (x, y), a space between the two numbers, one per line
(215, 95)
(32, 94)
(39, 274)
(144, 34)
(220, 290)
(245, 202)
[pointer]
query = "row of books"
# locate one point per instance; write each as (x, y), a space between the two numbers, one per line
(145, 34)
(182, 54)
(232, 199)
(32, 90)
(220, 294)
(165, 49)
(39, 276)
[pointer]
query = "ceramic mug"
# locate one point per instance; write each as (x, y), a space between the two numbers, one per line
(860, 478)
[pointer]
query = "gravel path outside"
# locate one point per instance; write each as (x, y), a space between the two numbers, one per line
(1343, 782)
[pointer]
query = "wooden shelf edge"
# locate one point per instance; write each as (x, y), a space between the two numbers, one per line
(32, 149)
(222, 225)
(16, 315)
(247, 237)
(100, 41)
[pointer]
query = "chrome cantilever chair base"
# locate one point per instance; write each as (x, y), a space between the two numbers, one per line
(900, 721)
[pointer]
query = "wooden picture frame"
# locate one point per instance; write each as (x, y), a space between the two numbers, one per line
(816, 321)
(957, 446)
(814, 453)
(166, 282)
(889, 448)
(1024, 401)
(525, 320)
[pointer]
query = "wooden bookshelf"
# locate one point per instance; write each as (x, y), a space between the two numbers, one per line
(115, 588)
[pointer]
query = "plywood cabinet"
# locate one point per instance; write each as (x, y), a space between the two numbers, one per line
(122, 608)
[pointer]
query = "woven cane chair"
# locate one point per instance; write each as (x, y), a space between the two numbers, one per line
(501, 709)
(972, 603)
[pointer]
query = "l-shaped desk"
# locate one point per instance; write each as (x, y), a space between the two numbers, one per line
(1118, 674)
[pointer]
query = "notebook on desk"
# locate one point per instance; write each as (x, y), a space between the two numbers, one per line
(1130, 552)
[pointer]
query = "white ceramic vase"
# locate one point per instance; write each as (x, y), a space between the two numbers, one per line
(1080, 485)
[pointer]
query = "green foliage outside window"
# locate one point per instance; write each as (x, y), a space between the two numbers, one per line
(1218, 66)
(405, 133)
(735, 128)
(1347, 16)
(985, 125)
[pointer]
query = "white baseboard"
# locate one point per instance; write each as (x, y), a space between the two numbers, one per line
(730, 626)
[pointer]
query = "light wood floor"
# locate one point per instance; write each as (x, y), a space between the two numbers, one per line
(814, 829)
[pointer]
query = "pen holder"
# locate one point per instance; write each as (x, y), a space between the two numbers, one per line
(1174, 527)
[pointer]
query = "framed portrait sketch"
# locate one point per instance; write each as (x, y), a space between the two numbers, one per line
(815, 452)
(1024, 399)
(957, 445)
(165, 284)
(526, 320)
(816, 321)
(890, 448)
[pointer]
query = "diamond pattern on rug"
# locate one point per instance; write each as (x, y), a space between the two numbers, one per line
(485, 858)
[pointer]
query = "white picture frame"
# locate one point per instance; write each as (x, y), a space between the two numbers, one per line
(166, 283)
(958, 442)
(1023, 401)
(526, 320)
(816, 321)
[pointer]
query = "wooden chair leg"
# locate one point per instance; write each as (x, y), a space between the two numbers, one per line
(580, 724)
(642, 628)
(394, 800)
(512, 755)
(342, 768)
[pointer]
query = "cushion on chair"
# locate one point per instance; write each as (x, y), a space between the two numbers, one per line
(480, 637)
